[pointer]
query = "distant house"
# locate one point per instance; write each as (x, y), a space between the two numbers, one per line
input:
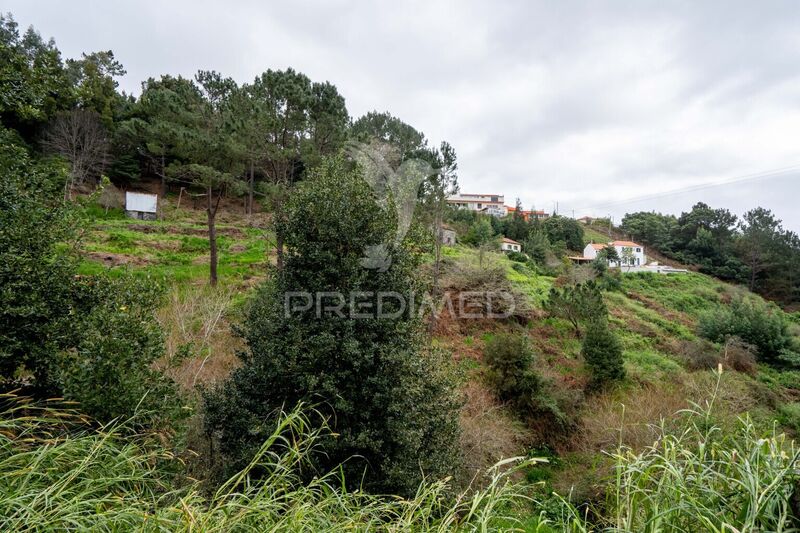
(528, 215)
(140, 205)
(448, 235)
(586, 220)
(510, 245)
(630, 253)
(491, 204)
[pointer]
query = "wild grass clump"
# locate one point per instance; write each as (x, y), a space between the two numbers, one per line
(696, 478)
(61, 474)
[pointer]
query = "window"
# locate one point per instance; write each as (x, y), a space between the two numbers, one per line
(479, 206)
(638, 249)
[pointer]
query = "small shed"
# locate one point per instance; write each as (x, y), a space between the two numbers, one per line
(141, 205)
(448, 235)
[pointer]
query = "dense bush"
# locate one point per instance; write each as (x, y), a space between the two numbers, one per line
(389, 402)
(88, 338)
(758, 324)
(518, 257)
(110, 369)
(566, 230)
(602, 353)
(537, 246)
(36, 277)
(511, 374)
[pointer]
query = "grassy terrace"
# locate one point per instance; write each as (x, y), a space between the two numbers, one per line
(176, 249)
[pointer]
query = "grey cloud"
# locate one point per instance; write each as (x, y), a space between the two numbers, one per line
(583, 103)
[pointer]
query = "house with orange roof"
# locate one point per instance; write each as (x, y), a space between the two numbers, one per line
(629, 252)
(527, 215)
(510, 245)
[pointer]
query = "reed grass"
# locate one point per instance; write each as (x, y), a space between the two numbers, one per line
(58, 474)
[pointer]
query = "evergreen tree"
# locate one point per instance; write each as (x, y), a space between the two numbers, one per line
(579, 304)
(602, 353)
(537, 246)
(393, 411)
(517, 228)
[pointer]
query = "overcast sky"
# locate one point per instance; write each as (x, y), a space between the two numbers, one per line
(586, 104)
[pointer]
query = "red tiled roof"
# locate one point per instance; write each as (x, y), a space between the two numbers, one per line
(614, 243)
(509, 241)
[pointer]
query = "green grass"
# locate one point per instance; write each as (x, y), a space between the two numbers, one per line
(592, 235)
(175, 251)
(650, 366)
(59, 473)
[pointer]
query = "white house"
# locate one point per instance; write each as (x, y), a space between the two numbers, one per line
(492, 204)
(510, 245)
(141, 205)
(630, 253)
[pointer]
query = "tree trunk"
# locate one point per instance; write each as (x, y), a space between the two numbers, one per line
(163, 177)
(279, 248)
(211, 211)
(437, 252)
(250, 190)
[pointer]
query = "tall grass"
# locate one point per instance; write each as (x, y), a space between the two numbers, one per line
(697, 479)
(59, 474)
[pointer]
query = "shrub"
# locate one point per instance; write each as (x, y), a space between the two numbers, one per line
(699, 354)
(758, 324)
(602, 353)
(519, 257)
(88, 338)
(36, 277)
(110, 370)
(512, 376)
(789, 416)
(537, 246)
(739, 356)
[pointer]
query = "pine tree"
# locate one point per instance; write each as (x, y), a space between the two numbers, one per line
(602, 353)
(387, 400)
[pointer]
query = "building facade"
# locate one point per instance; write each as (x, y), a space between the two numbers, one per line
(491, 204)
(510, 245)
(630, 253)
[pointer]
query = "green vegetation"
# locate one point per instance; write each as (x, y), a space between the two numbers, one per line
(362, 364)
(193, 401)
(755, 249)
(511, 374)
(603, 354)
(579, 304)
(60, 474)
(756, 324)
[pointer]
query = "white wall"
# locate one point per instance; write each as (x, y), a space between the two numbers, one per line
(137, 201)
(639, 258)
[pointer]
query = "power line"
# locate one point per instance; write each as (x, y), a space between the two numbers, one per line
(738, 179)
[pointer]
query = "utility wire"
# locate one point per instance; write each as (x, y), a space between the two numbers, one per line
(738, 179)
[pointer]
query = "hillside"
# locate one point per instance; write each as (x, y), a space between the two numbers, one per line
(655, 317)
